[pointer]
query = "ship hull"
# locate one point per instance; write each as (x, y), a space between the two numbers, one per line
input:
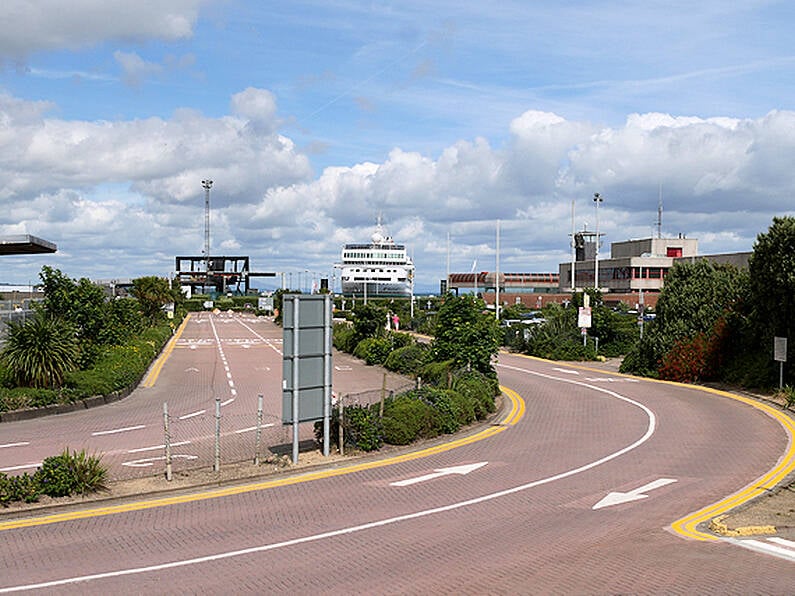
(377, 289)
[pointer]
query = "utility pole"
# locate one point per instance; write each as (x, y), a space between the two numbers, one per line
(597, 199)
(207, 185)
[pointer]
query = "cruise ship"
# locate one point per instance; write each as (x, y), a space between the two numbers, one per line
(379, 268)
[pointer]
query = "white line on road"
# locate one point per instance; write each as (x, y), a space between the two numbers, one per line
(784, 549)
(22, 467)
(228, 401)
(249, 429)
(157, 447)
(20, 444)
(148, 463)
(568, 371)
(192, 414)
(117, 430)
(374, 524)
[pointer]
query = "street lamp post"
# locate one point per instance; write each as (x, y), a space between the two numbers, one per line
(597, 199)
(207, 185)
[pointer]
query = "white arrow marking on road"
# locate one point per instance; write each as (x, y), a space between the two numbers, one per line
(566, 370)
(192, 369)
(617, 498)
(461, 470)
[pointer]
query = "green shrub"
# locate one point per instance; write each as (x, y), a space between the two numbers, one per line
(70, 473)
(344, 337)
(373, 350)
(446, 411)
(480, 389)
(437, 373)
(54, 477)
(362, 427)
(406, 419)
(18, 488)
(787, 393)
(407, 360)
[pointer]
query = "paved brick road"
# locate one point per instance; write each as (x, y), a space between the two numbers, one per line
(522, 524)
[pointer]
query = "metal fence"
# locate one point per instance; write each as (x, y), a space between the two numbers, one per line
(213, 439)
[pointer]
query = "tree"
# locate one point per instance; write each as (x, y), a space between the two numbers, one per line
(40, 351)
(153, 293)
(696, 297)
(772, 287)
(369, 320)
(465, 335)
(81, 303)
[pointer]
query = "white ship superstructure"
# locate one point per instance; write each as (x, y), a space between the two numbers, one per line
(380, 268)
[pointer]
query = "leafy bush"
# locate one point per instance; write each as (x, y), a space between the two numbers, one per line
(373, 350)
(59, 476)
(446, 408)
(71, 473)
(55, 476)
(787, 393)
(20, 398)
(406, 419)
(118, 367)
(407, 360)
(437, 373)
(18, 488)
(344, 337)
(480, 389)
(361, 427)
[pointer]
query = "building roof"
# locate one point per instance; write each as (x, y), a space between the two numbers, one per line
(25, 244)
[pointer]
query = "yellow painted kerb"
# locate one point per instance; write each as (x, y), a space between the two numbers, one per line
(513, 416)
(154, 372)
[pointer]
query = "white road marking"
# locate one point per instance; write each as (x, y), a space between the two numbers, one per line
(21, 467)
(460, 470)
(374, 524)
(193, 414)
(117, 430)
(20, 444)
(248, 430)
(777, 547)
(147, 463)
(616, 498)
(157, 447)
(229, 401)
(566, 370)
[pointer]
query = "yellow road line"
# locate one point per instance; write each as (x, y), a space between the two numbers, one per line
(154, 372)
(687, 526)
(517, 411)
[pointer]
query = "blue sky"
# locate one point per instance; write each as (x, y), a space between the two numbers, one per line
(314, 117)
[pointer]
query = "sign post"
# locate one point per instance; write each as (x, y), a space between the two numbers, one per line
(584, 320)
(780, 356)
(306, 370)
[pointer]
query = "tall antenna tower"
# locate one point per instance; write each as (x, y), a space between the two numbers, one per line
(207, 185)
(659, 214)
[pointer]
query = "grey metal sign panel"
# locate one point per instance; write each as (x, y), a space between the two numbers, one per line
(306, 364)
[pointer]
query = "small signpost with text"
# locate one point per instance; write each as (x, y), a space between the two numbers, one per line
(780, 356)
(306, 379)
(584, 318)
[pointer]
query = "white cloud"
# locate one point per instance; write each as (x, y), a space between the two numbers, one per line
(123, 198)
(54, 24)
(135, 69)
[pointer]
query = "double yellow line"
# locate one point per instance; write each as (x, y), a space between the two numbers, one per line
(513, 416)
(154, 372)
(688, 526)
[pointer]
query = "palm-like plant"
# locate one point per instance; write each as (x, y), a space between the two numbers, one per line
(40, 351)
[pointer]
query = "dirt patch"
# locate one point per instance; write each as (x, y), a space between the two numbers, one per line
(772, 513)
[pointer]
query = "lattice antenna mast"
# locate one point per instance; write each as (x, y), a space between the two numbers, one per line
(207, 185)
(659, 215)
